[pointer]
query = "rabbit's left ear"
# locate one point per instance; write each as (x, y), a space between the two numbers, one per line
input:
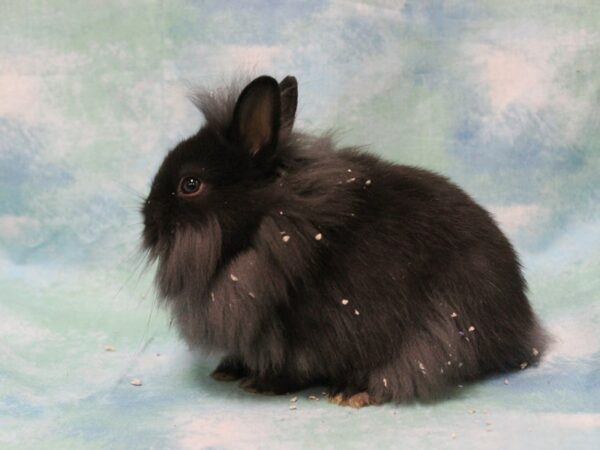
(289, 102)
(256, 118)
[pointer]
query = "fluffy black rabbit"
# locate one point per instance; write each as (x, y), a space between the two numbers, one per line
(306, 264)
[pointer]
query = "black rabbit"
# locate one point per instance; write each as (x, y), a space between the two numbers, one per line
(306, 264)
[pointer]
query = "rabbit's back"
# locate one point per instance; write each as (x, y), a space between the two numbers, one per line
(418, 274)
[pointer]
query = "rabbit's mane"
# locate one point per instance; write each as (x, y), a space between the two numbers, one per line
(217, 105)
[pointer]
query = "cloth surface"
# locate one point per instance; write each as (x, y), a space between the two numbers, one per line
(503, 97)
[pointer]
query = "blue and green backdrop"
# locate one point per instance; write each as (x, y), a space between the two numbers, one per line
(502, 96)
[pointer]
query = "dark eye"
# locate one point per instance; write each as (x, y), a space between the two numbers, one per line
(190, 186)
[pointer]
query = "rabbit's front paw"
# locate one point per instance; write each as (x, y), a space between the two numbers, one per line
(269, 386)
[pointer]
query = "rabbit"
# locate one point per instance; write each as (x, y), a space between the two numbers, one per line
(305, 264)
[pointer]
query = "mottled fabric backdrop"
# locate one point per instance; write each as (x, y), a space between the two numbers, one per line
(502, 96)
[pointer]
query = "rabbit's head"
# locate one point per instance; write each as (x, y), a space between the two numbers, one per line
(212, 189)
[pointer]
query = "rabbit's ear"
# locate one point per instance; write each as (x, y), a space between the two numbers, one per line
(257, 117)
(289, 102)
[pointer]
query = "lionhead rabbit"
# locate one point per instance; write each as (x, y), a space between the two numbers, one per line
(307, 264)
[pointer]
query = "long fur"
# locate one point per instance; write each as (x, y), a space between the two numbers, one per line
(334, 267)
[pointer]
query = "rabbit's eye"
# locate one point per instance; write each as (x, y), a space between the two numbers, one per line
(190, 186)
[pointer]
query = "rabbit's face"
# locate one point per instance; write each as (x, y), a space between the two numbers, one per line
(196, 179)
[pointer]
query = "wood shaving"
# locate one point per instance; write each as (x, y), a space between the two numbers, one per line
(345, 301)
(233, 277)
(294, 399)
(350, 180)
(385, 382)
(251, 294)
(293, 406)
(318, 236)
(471, 328)
(313, 397)
(109, 348)
(453, 315)
(356, 313)
(135, 382)
(535, 351)
(285, 238)
(368, 183)
(523, 365)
